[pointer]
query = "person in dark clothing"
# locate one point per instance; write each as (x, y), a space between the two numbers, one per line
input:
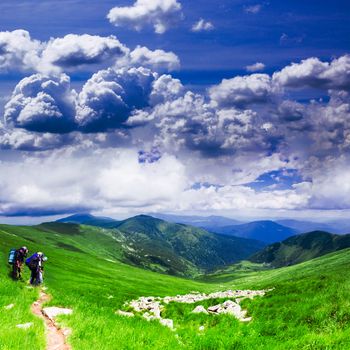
(35, 264)
(20, 255)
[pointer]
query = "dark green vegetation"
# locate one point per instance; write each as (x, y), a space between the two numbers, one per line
(301, 248)
(171, 248)
(88, 219)
(309, 307)
(266, 231)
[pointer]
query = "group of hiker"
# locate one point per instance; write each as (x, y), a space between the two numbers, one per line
(18, 257)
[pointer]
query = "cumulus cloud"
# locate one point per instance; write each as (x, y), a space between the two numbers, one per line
(202, 26)
(157, 60)
(108, 98)
(314, 73)
(42, 104)
(74, 51)
(161, 14)
(18, 51)
(258, 66)
(216, 141)
(242, 90)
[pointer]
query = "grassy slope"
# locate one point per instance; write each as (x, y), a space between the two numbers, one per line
(187, 247)
(308, 309)
(301, 248)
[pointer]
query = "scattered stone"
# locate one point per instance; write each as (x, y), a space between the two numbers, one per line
(52, 312)
(152, 307)
(215, 308)
(199, 309)
(66, 332)
(167, 322)
(25, 325)
(125, 313)
(201, 328)
(9, 307)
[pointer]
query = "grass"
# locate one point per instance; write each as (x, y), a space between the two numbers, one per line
(309, 307)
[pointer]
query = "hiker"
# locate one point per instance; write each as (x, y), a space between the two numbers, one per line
(17, 261)
(35, 264)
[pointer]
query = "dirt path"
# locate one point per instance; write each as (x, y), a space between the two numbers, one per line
(55, 338)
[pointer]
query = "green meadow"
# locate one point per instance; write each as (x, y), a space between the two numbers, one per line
(308, 308)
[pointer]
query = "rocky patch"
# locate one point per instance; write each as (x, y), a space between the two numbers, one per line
(151, 308)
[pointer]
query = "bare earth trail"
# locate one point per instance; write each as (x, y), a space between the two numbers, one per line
(55, 337)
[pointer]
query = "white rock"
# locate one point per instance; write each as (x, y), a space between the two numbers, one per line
(9, 307)
(199, 309)
(25, 325)
(201, 328)
(167, 322)
(215, 308)
(66, 332)
(52, 312)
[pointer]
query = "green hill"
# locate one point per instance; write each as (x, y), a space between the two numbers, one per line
(166, 247)
(307, 309)
(180, 249)
(91, 220)
(301, 248)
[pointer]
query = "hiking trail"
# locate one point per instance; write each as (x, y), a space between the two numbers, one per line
(55, 335)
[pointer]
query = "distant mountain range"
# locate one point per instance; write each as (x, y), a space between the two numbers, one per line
(301, 248)
(209, 223)
(168, 247)
(265, 231)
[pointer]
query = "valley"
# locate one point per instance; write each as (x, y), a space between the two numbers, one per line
(88, 271)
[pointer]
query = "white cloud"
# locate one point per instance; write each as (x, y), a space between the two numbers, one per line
(242, 91)
(258, 66)
(42, 104)
(109, 96)
(157, 60)
(312, 72)
(116, 179)
(253, 9)
(202, 26)
(74, 51)
(161, 14)
(242, 128)
(18, 51)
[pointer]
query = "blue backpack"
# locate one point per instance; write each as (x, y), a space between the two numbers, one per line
(12, 256)
(30, 261)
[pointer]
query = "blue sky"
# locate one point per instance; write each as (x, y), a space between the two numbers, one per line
(313, 28)
(236, 107)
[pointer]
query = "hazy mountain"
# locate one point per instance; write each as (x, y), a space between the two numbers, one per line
(210, 223)
(301, 248)
(265, 231)
(308, 226)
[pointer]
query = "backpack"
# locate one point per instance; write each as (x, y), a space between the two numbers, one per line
(12, 256)
(30, 262)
